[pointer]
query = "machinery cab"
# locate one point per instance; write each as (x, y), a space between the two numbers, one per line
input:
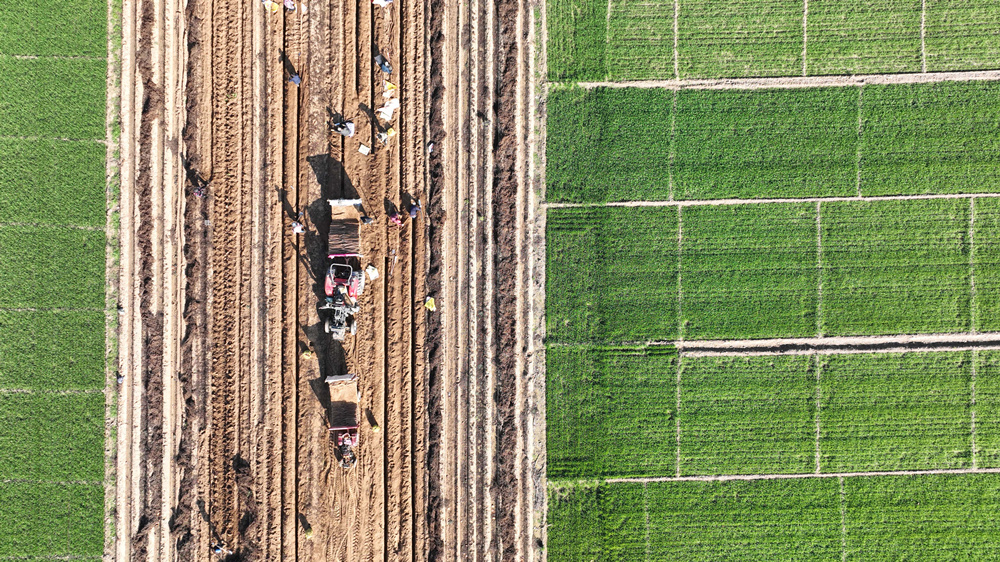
(343, 275)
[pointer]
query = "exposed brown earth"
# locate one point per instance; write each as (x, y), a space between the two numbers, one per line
(223, 419)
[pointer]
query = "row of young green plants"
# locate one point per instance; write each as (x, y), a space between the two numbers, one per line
(614, 40)
(53, 71)
(644, 412)
(925, 517)
(625, 144)
(767, 270)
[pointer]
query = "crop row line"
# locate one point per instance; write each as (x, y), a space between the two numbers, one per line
(790, 82)
(64, 391)
(765, 201)
(53, 57)
(795, 476)
(35, 138)
(39, 225)
(51, 557)
(50, 309)
(56, 482)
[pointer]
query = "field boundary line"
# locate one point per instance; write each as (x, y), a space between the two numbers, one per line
(824, 345)
(677, 17)
(798, 476)
(56, 57)
(805, 32)
(857, 161)
(923, 35)
(56, 482)
(52, 557)
(819, 271)
(607, 39)
(797, 81)
(32, 138)
(63, 391)
(69, 226)
(843, 520)
(973, 319)
(52, 309)
(680, 336)
(765, 201)
(819, 369)
(972, 406)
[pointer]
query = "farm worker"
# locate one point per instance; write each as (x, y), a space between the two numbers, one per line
(381, 3)
(290, 5)
(297, 228)
(396, 220)
(295, 79)
(414, 209)
(271, 6)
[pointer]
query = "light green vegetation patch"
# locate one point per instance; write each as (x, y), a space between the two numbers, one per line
(863, 37)
(930, 138)
(748, 415)
(577, 39)
(51, 267)
(68, 28)
(749, 271)
(611, 411)
(47, 520)
(608, 144)
(757, 520)
(986, 264)
(932, 517)
(56, 437)
(895, 267)
(765, 143)
(962, 35)
(51, 350)
(895, 411)
(736, 39)
(611, 274)
(987, 408)
(52, 182)
(52, 98)
(640, 41)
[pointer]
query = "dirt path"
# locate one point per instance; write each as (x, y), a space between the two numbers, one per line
(703, 202)
(800, 81)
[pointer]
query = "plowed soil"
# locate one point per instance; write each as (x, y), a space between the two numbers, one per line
(224, 416)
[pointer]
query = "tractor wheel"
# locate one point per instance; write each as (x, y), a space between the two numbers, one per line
(327, 327)
(354, 326)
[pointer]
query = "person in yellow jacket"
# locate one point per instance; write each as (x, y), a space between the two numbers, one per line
(271, 6)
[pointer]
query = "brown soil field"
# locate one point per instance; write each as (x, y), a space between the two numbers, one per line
(223, 419)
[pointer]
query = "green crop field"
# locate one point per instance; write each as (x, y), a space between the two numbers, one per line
(612, 274)
(986, 367)
(759, 38)
(765, 143)
(930, 138)
(53, 248)
(51, 267)
(986, 264)
(962, 34)
(52, 182)
(889, 411)
(611, 411)
(933, 517)
(619, 159)
(589, 41)
(720, 144)
(38, 101)
(863, 36)
(748, 415)
(927, 517)
(51, 349)
(42, 521)
(749, 271)
(895, 267)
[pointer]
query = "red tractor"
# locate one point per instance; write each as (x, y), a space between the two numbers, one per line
(343, 283)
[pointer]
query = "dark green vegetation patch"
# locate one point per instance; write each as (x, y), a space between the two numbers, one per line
(51, 267)
(611, 411)
(52, 349)
(52, 437)
(52, 182)
(53, 98)
(66, 28)
(51, 519)
(612, 274)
